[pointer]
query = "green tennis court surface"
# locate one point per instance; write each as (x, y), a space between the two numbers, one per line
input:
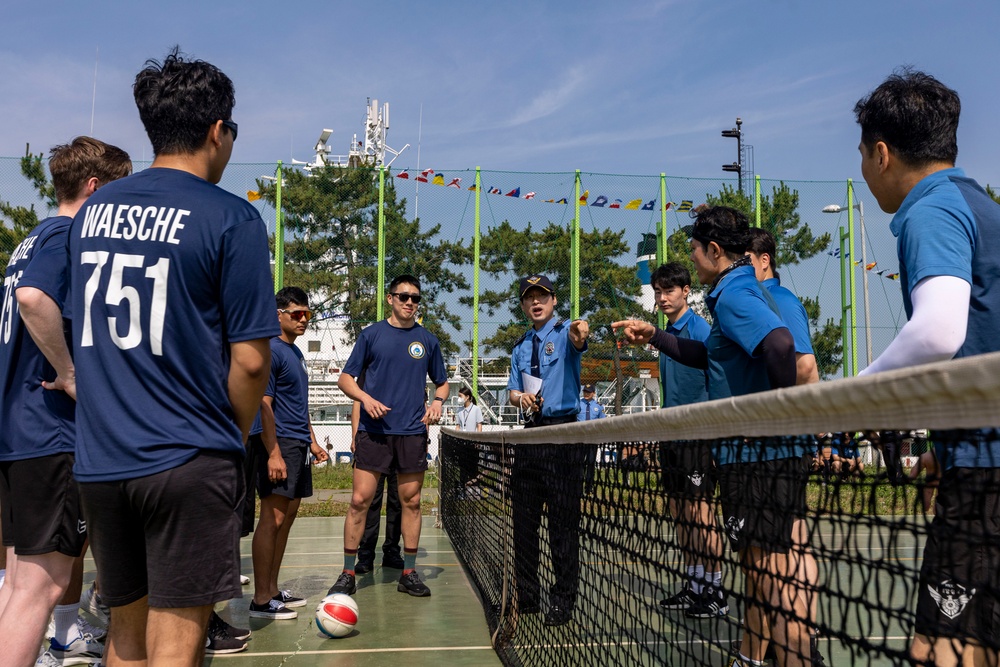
(449, 628)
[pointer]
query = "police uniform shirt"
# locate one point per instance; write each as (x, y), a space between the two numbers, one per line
(590, 410)
(288, 386)
(948, 226)
(680, 384)
(170, 270)
(559, 364)
(396, 363)
(36, 421)
(793, 314)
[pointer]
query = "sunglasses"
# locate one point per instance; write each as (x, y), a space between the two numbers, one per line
(297, 314)
(233, 127)
(406, 296)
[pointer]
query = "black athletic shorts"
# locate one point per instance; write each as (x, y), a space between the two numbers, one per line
(299, 482)
(688, 470)
(959, 591)
(760, 502)
(40, 506)
(173, 536)
(385, 453)
(254, 444)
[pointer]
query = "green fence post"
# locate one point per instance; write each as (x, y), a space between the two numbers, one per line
(756, 200)
(475, 292)
(845, 342)
(380, 296)
(850, 267)
(574, 257)
(662, 250)
(279, 235)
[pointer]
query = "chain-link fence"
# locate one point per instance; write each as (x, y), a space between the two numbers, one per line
(470, 234)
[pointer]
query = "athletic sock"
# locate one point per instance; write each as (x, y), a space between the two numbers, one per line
(409, 560)
(350, 558)
(3, 575)
(699, 577)
(67, 630)
(716, 579)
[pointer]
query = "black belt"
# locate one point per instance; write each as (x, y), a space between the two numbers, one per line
(550, 421)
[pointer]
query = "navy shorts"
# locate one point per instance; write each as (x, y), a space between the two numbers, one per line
(761, 501)
(688, 470)
(173, 536)
(40, 506)
(959, 591)
(385, 453)
(298, 483)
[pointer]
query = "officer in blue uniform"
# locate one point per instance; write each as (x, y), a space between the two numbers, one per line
(547, 474)
(590, 407)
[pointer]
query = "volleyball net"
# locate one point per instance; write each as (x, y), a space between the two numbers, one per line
(614, 542)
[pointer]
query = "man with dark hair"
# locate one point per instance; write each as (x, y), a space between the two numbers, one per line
(283, 474)
(948, 242)
(545, 384)
(763, 483)
(688, 471)
(395, 356)
(172, 314)
(763, 253)
(44, 531)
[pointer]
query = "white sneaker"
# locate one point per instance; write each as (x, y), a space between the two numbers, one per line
(90, 602)
(244, 580)
(81, 651)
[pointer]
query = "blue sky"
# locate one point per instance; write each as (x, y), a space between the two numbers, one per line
(631, 87)
(636, 87)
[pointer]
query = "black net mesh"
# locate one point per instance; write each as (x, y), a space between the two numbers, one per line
(594, 543)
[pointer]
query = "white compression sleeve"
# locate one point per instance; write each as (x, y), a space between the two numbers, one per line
(935, 331)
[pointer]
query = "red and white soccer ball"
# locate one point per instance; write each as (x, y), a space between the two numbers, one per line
(337, 615)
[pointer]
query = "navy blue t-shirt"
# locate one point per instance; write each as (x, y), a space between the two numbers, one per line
(396, 364)
(34, 421)
(289, 387)
(169, 271)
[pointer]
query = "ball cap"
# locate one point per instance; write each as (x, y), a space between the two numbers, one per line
(537, 280)
(588, 388)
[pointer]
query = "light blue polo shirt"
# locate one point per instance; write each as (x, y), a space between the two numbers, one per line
(559, 363)
(680, 384)
(793, 314)
(743, 314)
(948, 226)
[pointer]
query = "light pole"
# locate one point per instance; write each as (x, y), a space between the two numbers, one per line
(834, 208)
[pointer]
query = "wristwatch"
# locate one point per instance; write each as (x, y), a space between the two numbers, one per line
(438, 398)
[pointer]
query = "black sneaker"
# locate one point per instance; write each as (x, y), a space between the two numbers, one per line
(272, 609)
(712, 603)
(289, 600)
(364, 567)
(238, 633)
(218, 640)
(392, 560)
(345, 584)
(680, 600)
(410, 583)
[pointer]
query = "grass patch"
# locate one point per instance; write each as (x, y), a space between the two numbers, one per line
(341, 476)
